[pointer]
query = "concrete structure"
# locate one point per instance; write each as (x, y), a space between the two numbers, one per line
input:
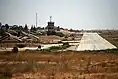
(51, 26)
(93, 41)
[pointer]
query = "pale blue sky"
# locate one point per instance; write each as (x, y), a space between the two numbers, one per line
(76, 14)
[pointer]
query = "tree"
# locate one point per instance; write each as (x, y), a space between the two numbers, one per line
(34, 28)
(6, 26)
(43, 27)
(15, 50)
(15, 27)
(26, 28)
(31, 28)
(21, 28)
(71, 30)
(51, 33)
(18, 34)
(58, 28)
(2, 31)
(0, 24)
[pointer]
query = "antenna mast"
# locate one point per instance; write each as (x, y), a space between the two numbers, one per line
(36, 19)
(50, 18)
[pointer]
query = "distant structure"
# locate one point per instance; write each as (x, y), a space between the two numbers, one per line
(50, 25)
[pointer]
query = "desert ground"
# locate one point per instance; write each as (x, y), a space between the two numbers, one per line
(111, 36)
(59, 65)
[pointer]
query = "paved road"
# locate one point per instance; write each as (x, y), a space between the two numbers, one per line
(93, 41)
(45, 46)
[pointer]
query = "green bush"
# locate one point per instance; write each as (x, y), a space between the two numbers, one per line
(39, 46)
(51, 49)
(45, 50)
(60, 42)
(20, 45)
(15, 50)
(51, 33)
(66, 36)
(59, 34)
(55, 48)
(65, 45)
(111, 50)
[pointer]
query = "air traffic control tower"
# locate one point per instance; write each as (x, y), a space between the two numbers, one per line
(50, 23)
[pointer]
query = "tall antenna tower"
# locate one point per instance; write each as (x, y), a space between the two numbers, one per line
(36, 19)
(50, 18)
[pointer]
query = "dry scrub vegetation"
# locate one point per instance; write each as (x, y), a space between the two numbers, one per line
(59, 65)
(111, 36)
